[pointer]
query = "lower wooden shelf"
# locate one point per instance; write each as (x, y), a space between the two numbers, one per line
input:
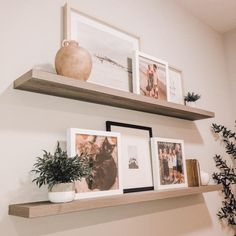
(40, 209)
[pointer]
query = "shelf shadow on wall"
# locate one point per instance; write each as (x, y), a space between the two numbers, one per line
(29, 111)
(159, 214)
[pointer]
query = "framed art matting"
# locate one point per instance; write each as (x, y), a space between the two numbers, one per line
(136, 156)
(111, 49)
(175, 91)
(150, 76)
(168, 162)
(103, 151)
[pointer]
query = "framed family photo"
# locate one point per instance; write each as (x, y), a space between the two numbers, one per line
(103, 150)
(111, 49)
(175, 91)
(151, 76)
(168, 161)
(136, 156)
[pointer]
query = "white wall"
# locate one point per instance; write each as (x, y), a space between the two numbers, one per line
(31, 35)
(230, 53)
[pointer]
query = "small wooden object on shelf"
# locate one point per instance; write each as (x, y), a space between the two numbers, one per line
(193, 172)
(40, 209)
(48, 83)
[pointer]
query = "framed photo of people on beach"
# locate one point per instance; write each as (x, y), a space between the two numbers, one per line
(104, 154)
(168, 162)
(111, 49)
(175, 91)
(151, 76)
(136, 155)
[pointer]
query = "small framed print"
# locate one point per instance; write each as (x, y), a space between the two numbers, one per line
(136, 156)
(168, 162)
(175, 91)
(111, 49)
(103, 149)
(151, 76)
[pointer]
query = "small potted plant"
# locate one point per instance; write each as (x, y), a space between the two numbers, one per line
(59, 172)
(191, 98)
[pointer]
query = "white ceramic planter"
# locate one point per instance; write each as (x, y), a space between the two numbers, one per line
(205, 178)
(64, 192)
(190, 104)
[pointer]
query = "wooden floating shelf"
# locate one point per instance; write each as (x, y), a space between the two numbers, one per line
(40, 209)
(48, 83)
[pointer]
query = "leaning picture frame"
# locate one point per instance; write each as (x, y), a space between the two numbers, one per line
(111, 48)
(150, 76)
(136, 155)
(104, 154)
(176, 90)
(168, 162)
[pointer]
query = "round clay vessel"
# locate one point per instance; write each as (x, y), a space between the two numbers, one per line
(73, 61)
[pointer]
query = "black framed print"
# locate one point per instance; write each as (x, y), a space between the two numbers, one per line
(136, 155)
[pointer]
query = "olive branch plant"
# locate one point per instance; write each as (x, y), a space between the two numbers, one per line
(226, 175)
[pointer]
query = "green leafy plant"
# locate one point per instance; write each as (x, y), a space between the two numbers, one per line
(191, 97)
(226, 175)
(59, 168)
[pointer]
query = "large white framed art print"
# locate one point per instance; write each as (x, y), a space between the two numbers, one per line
(111, 48)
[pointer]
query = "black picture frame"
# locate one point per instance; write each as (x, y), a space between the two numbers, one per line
(109, 125)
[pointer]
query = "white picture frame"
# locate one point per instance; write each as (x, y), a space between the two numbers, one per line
(169, 167)
(176, 90)
(150, 76)
(87, 141)
(111, 48)
(136, 155)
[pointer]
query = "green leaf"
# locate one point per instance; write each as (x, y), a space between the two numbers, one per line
(59, 168)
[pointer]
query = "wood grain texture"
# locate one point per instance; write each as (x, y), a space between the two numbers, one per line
(40, 209)
(51, 84)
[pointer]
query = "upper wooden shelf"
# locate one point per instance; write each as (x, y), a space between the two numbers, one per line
(40, 209)
(48, 83)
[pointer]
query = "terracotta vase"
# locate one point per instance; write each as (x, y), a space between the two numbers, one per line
(73, 61)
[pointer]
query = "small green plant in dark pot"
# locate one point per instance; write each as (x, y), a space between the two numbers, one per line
(59, 172)
(191, 98)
